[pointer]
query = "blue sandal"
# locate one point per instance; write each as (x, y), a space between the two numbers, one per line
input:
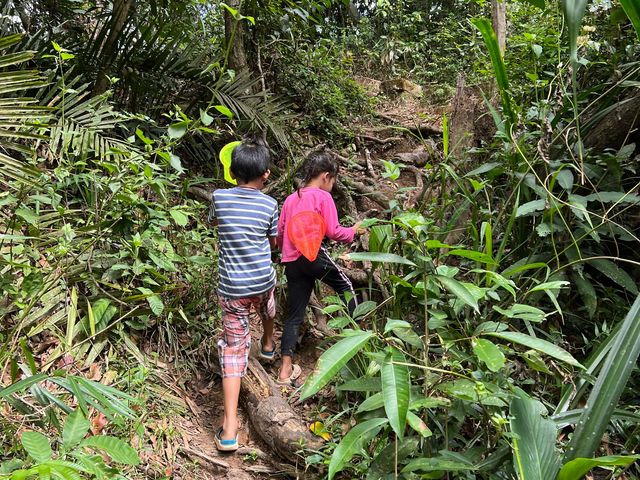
(266, 354)
(225, 445)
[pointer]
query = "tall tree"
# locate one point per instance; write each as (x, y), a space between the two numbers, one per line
(234, 38)
(499, 21)
(119, 15)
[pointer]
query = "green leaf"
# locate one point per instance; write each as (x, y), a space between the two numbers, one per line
(380, 257)
(612, 380)
(373, 402)
(537, 3)
(418, 425)
(224, 110)
(37, 446)
(118, 450)
(154, 301)
(499, 68)
(436, 464)
(537, 49)
(362, 384)
(363, 309)
(28, 215)
(578, 468)
(103, 312)
(177, 130)
(489, 353)
(535, 456)
(395, 390)
(75, 428)
(331, 361)
(175, 162)
(565, 178)
(473, 255)
(556, 285)
(205, 118)
(543, 346)
(352, 443)
(615, 273)
(459, 290)
(530, 207)
(181, 218)
(632, 9)
(573, 11)
(587, 293)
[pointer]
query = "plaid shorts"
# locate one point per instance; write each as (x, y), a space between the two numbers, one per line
(235, 343)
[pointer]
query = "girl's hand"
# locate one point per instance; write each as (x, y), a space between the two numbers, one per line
(358, 229)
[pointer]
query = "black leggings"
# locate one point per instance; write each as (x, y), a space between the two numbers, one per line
(301, 277)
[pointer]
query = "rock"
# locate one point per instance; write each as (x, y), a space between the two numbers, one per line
(397, 86)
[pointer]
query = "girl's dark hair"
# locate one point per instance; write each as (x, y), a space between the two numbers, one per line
(316, 164)
(251, 158)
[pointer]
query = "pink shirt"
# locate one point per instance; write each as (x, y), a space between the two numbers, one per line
(310, 200)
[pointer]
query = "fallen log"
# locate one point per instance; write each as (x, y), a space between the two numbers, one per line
(282, 429)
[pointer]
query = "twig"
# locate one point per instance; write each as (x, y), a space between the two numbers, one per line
(214, 461)
(382, 141)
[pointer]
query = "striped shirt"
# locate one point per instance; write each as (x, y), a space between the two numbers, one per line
(246, 219)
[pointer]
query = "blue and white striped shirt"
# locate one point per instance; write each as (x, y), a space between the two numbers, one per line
(246, 219)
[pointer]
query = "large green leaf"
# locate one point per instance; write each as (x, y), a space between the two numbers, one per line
(37, 446)
(380, 257)
(535, 455)
(578, 468)
(395, 390)
(615, 273)
(352, 443)
(537, 344)
(573, 12)
(118, 450)
(75, 428)
(459, 290)
(333, 360)
(632, 9)
(489, 353)
(499, 68)
(612, 379)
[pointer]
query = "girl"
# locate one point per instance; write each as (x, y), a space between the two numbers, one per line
(314, 205)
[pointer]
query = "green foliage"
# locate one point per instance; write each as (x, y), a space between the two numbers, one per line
(317, 81)
(71, 459)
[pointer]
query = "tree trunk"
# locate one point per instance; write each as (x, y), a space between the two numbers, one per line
(621, 125)
(234, 39)
(119, 15)
(499, 21)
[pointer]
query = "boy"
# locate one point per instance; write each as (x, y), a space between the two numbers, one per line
(247, 222)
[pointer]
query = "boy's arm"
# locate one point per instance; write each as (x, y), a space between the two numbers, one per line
(212, 213)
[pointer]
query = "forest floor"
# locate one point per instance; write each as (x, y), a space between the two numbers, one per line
(190, 453)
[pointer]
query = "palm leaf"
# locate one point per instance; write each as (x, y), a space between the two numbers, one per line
(256, 110)
(535, 455)
(613, 377)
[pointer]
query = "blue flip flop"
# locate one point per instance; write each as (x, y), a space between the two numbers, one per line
(225, 445)
(266, 354)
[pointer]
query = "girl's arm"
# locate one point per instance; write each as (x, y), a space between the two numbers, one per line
(335, 231)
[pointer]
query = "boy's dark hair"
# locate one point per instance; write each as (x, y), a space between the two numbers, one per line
(250, 159)
(317, 163)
